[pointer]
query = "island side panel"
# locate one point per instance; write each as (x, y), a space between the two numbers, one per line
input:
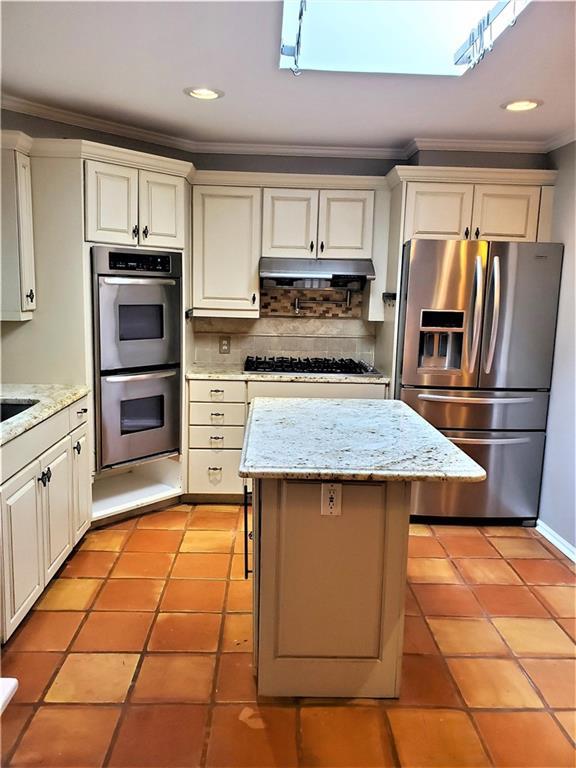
(331, 590)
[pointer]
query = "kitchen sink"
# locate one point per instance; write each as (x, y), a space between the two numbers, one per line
(9, 408)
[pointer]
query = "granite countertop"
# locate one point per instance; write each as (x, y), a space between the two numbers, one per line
(235, 372)
(51, 399)
(348, 439)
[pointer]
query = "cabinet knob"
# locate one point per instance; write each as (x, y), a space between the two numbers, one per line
(135, 230)
(477, 233)
(81, 411)
(30, 295)
(322, 246)
(253, 298)
(78, 448)
(49, 474)
(145, 231)
(466, 233)
(311, 246)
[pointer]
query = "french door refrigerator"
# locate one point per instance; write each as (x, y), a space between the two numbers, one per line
(477, 322)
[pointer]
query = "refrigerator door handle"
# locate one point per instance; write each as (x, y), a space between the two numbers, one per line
(489, 441)
(478, 301)
(476, 400)
(495, 285)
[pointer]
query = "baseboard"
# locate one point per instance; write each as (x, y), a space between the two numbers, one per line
(564, 546)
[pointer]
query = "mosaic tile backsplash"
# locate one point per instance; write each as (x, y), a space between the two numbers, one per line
(295, 336)
(282, 303)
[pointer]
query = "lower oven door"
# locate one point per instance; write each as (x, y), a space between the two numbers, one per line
(139, 416)
(513, 464)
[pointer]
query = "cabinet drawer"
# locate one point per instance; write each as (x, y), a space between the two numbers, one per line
(218, 414)
(78, 412)
(215, 391)
(213, 471)
(216, 437)
(314, 389)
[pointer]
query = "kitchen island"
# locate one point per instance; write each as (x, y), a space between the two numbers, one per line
(331, 516)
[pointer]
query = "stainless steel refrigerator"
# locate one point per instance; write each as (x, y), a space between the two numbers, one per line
(477, 322)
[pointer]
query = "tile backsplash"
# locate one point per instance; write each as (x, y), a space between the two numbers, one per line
(282, 302)
(296, 337)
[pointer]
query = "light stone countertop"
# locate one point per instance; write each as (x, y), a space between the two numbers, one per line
(51, 399)
(235, 372)
(348, 439)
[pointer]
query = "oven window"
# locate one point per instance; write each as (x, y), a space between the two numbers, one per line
(141, 414)
(140, 321)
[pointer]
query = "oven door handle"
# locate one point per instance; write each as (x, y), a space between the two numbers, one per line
(140, 377)
(138, 281)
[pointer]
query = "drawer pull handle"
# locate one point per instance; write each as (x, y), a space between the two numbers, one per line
(216, 414)
(214, 469)
(217, 391)
(216, 437)
(81, 411)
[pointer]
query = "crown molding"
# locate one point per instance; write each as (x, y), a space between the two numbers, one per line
(560, 140)
(69, 117)
(289, 180)
(24, 106)
(16, 140)
(475, 145)
(107, 153)
(467, 175)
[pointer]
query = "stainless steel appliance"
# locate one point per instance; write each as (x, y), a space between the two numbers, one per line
(477, 323)
(137, 320)
(307, 365)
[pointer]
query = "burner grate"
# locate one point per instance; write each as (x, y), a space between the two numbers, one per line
(307, 365)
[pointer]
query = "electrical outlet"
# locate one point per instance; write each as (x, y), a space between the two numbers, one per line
(331, 499)
(224, 345)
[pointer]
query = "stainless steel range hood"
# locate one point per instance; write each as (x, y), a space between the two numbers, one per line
(325, 269)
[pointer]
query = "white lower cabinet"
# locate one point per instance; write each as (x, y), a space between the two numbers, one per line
(81, 492)
(45, 509)
(214, 471)
(22, 545)
(56, 479)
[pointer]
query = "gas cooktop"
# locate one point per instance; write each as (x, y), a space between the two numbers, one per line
(307, 365)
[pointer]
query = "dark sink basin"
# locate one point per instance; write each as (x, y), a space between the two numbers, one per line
(8, 408)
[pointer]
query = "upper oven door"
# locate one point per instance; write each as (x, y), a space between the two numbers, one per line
(139, 321)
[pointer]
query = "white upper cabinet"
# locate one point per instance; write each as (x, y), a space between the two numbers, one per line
(111, 203)
(126, 206)
(226, 250)
(505, 212)
(18, 278)
(309, 223)
(345, 224)
(23, 569)
(162, 203)
(442, 211)
(290, 223)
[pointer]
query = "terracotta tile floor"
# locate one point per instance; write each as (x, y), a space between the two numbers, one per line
(138, 654)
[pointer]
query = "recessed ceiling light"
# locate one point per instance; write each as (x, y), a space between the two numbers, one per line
(523, 105)
(205, 94)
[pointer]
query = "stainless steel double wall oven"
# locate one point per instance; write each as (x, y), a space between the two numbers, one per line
(137, 344)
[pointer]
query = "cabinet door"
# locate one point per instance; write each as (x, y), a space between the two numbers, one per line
(290, 223)
(57, 505)
(438, 211)
(162, 203)
(226, 250)
(345, 224)
(81, 484)
(25, 232)
(22, 555)
(111, 203)
(505, 212)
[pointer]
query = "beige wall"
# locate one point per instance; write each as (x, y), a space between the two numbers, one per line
(558, 500)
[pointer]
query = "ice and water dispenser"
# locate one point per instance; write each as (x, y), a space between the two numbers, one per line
(441, 340)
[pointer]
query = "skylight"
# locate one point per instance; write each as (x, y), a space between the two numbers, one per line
(412, 37)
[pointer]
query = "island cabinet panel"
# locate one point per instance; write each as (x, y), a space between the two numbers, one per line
(330, 589)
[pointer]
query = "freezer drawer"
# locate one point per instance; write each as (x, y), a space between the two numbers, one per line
(513, 464)
(479, 409)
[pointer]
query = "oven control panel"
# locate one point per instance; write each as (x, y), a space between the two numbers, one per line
(140, 262)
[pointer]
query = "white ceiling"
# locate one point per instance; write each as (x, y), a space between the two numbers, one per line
(129, 61)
